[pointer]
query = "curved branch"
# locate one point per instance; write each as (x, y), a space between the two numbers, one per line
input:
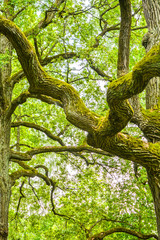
(66, 55)
(29, 172)
(102, 130)
(44, 167)
(23, 97)
(40, 128)
(102, 235)
(17, 101)
(41, 83)
(53, 206)
(49, 15)
(21, 196)
(76, 111)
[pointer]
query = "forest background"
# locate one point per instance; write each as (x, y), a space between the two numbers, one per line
(62, 187)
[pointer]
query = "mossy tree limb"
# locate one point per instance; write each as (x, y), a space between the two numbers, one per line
(75, 110)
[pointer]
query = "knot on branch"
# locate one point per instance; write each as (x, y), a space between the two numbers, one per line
(146, 40)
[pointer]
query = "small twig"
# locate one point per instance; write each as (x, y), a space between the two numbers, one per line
(33, 189)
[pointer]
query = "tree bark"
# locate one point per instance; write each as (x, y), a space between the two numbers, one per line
(152, 15)
(151, 10)
(154, 183)
(5, 185)
(5, 124)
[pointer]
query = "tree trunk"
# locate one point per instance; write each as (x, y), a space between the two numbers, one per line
(154, 183)
(152, 37)
(152, 15)
(5, 122)
(5, 185)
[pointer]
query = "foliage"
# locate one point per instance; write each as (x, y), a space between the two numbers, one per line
(90, 187)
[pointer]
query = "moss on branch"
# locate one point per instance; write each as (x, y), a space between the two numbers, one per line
(102, 130)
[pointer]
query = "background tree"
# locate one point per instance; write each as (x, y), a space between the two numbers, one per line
(76, 43)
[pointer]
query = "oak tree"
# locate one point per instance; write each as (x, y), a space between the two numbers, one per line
(36, 73)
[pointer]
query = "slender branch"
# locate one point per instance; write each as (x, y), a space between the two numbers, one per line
(36, 49)
(49, 15)
(98, 70)
(25, 145)
(25, 95)
(19, 201)
(40, 128)
(71, 149)
(29, 172)
(33, 190)
(53, 206)
(17, 13)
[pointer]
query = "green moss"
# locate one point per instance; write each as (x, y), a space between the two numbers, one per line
(155, 148)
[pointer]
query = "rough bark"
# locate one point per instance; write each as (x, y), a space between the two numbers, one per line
(5, 99)
(5, 184)
(76, 111)
(124, 38)
(152, 16)
(5, 125)
(154, 183)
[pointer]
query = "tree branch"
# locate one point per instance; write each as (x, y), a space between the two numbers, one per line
(17, 101)
(53, 207)
(17, 13)
(29, 172)
(29, 154)
(49, 15)
(102, 235)
(40, 128)
(23, 97)
(20, 156)
(21, 196)
(102, 131)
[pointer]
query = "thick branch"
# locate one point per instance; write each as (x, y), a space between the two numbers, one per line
(20, 156)
(17, 101)
(76, 111)
(129, 148)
